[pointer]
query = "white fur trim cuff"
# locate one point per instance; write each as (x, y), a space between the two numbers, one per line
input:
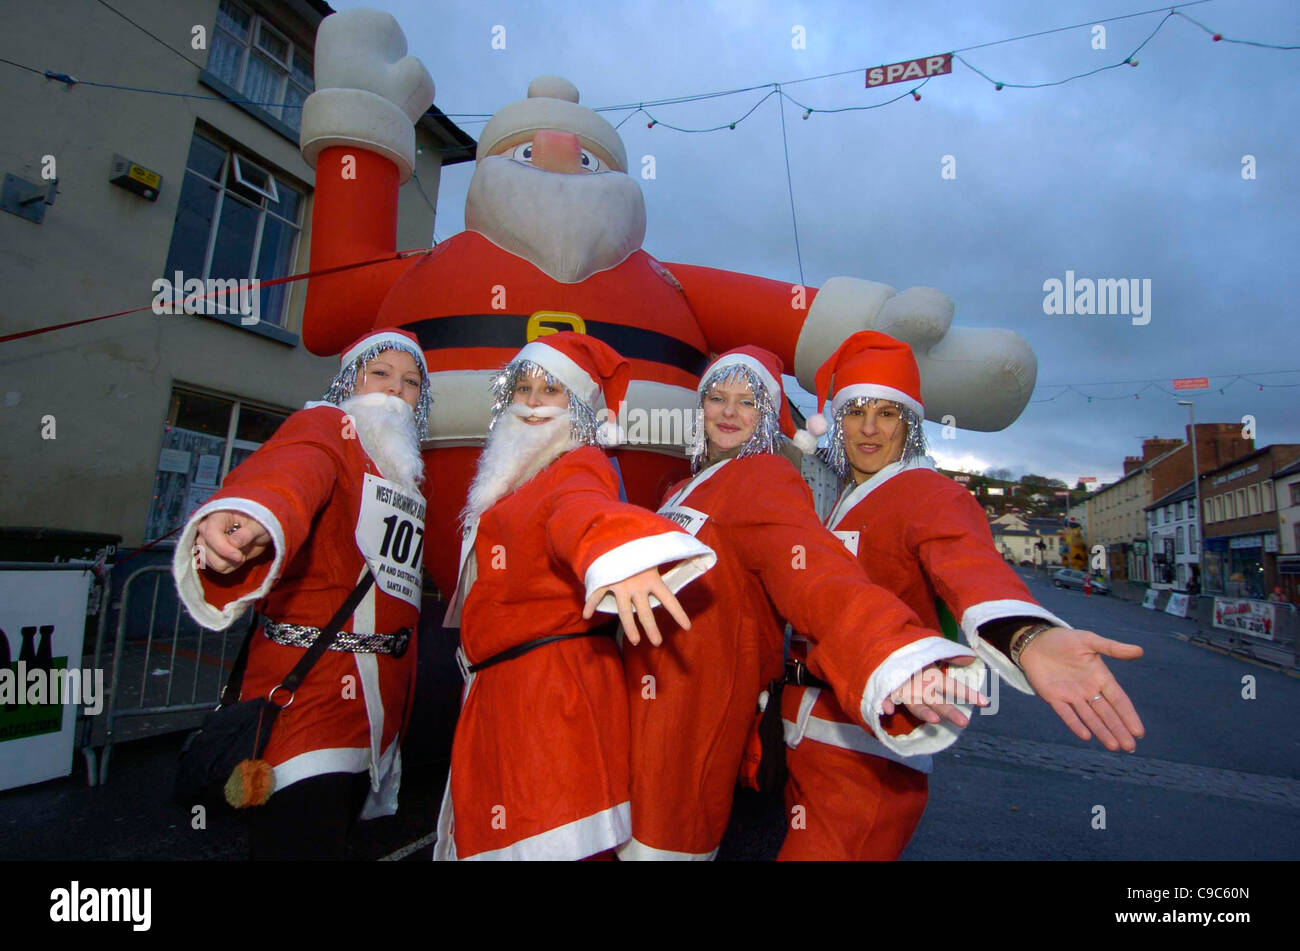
(693, 557)
(985, 611)
(575, 840)
(895, 671)
(634, 851)
(188, 585)
(355, 118)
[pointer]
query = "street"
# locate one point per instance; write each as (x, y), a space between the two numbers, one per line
(1214, 779)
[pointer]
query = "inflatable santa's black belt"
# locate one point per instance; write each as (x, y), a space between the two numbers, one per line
(512, 331)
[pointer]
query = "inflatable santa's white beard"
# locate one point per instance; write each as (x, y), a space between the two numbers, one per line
(569, 225)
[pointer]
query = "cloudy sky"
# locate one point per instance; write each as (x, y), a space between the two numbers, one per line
(1130, 173)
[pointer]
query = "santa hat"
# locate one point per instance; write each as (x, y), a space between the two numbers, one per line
(868, 365)
(552, 103)
(592, 371)
(767, 367)
(390, 338)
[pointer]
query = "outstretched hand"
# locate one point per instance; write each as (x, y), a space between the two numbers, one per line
(932, 694)
(227, 539)
(1065, 668)
(633, 595)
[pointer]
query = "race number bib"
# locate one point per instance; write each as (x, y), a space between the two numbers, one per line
(691, 520)
(390, 534)
(850, 540)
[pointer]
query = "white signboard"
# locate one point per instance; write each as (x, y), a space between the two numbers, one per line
(1177, 605)
(1149, 599)
(42, 619)
(1245, 617)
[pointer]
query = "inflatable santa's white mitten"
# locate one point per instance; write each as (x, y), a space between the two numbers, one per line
(973, 378)
(369, 93)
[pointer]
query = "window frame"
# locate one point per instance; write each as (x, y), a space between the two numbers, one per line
(272, 115)
(231, 164)
(230, 439)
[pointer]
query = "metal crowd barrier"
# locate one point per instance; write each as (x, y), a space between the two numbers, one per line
(1282, 648)
(167, 670)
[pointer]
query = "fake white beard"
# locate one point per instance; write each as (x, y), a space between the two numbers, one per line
(385, 426)
(514, 453)
(570, 226)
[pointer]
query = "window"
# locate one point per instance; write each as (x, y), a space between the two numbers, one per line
(1178, 540)
(1209, 510)
(204, 437)
(261, 63)
(235, 220)
(1295, 493)
(1252, 499)
(1241, 503)
(1229, 505)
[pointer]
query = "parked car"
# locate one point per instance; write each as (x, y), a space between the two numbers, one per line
(1073, 578)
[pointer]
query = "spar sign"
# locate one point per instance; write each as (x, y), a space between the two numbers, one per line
(922, 68)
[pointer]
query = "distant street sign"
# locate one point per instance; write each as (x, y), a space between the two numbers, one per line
(922, 68)
(1192, 383)
(1087, 479)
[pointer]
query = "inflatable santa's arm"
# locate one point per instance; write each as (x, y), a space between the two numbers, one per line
(358, 132)
(980, 377)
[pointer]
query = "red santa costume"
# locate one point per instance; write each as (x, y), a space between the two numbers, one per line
(539, 764)
(554, 231)
(692, 701)
(923, 537)
(322, 486)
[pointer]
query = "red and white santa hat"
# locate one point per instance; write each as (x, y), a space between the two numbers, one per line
(591, 370)
(869, 365)
(767, 366)
(392, 337)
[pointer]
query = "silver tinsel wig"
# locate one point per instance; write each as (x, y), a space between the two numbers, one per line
(766, 431)
(583, 425)
(344, 384)
(913, 443)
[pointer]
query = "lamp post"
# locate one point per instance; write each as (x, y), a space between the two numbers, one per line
(1196, 488)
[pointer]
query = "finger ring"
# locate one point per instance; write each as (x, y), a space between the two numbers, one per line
(1095, 699)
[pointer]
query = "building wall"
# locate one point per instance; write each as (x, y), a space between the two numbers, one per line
(1163, 523)
(107, 385)
(1242, 540)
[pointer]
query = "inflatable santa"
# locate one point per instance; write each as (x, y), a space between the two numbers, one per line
(554, 226)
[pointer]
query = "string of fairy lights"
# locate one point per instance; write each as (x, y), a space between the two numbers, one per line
(769, 89)
(652, 111)
(1219, 383)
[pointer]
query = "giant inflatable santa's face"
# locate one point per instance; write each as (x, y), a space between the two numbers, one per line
(554, 227)
(551, 185)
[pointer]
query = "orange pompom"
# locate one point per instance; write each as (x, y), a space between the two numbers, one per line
(251, 783)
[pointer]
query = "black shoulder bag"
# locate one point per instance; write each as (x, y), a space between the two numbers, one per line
(239, 730)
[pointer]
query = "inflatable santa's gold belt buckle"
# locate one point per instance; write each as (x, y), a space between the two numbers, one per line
(547, 322)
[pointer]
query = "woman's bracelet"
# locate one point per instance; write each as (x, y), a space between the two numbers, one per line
(1023, 638)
